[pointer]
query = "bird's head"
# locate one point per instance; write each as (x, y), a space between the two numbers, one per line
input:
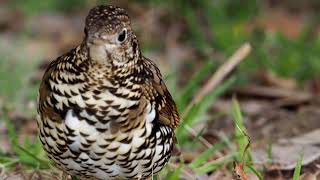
(109, 36)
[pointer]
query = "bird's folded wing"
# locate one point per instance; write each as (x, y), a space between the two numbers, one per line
(166, 107)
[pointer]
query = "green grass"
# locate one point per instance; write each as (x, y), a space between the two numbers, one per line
(269, 152)
(202, 163)
(193, 116)
(239, 131)
(297, 169)
(28, 153)
(199, 110)
(242, 139)
(221, 25)
(34, 7)
(204, 156)
(16, 93)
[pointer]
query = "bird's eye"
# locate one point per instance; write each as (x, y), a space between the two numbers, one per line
(122, 36)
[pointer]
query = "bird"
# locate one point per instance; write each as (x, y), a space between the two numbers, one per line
(104, 111)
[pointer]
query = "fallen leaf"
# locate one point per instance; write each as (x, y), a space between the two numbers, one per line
(284, 157)
(311, 138)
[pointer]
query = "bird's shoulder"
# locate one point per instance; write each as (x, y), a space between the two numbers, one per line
(65, 69)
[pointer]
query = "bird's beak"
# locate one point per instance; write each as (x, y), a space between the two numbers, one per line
(108, 42)
(102, 40)
(94, 39)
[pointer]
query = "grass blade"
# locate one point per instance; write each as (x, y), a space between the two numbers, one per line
(240, 133)
(203, 157)
(193, 84)
(13, 138)
(175, 174)
(257, 173)
(40, 162)
(28, 153)
(211, 166)
(198, 110)
(297, 169)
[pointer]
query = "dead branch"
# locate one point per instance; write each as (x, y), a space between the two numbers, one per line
(214, 81)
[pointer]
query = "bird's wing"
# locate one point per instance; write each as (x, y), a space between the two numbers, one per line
(158, 92)
(45, 93)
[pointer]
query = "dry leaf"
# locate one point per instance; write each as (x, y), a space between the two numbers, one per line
(284, 157)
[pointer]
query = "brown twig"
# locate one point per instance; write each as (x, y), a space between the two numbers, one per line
(214, 81)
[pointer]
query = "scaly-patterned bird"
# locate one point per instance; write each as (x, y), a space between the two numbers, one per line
(104, 110)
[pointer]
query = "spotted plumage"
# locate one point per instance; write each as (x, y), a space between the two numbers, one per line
(104, 110)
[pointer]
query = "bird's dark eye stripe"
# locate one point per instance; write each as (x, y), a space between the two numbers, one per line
(122, 36)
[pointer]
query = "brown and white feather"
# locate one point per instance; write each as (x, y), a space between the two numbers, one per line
(106, 114)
